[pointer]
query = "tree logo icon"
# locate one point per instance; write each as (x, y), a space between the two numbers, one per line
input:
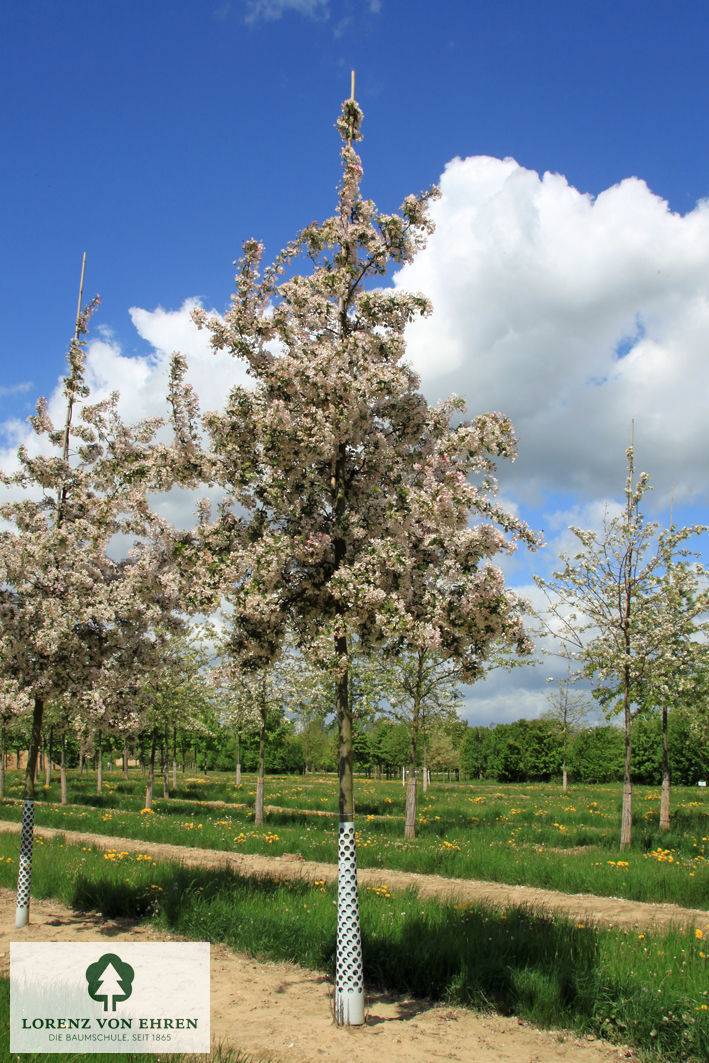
(110, 980)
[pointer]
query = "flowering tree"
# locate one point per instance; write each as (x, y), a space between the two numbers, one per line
(251, 694)
(339, 463)
(605, 605)
(66, 604)
(680, 606)
(459, 615)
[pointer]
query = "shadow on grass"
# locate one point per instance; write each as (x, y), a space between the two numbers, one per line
(484, 959)
(518, 962)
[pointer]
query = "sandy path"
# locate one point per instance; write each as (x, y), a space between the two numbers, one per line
(282, 1013)
(583, 907)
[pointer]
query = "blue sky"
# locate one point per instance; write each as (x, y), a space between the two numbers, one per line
(569, 269)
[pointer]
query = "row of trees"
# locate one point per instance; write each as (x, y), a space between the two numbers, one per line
(523, 751)
(352, 512)
(351, 550)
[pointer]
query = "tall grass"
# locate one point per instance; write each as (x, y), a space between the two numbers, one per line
(522, 835)
(649, 990)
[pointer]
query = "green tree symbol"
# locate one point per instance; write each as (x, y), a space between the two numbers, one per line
(110, 980)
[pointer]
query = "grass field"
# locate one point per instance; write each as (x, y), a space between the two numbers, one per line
(647, 989)
(518, 834)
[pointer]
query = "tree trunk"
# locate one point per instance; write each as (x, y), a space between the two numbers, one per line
(151, 770)
(99, 763)
(666, 780)
(410, 818)
(238, 758)
(48, 760)
(2, 760)
(626, 824)
(564, 777)
(165, 768)
(24, 877)
(125, 758)
(64, 798)
(349, 982)
(258, 807)
(174, 757)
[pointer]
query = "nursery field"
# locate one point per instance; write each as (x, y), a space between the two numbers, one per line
(646, 986)
(532, 835)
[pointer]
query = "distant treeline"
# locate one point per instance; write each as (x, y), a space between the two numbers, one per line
(524, 751)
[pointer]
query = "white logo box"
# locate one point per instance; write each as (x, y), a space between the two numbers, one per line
(109, 997)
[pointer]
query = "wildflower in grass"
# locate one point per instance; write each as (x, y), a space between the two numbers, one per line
(147, 812)
(699, 934)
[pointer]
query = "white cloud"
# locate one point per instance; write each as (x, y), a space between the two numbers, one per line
(269, 10)
(15, 389)
(572, 315)
(142, 384)
(212, 375)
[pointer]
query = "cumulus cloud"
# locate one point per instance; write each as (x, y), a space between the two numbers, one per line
(573, 315)
(142, 384)
(212, 375)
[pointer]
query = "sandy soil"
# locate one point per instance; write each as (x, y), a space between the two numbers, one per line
(283, 1013)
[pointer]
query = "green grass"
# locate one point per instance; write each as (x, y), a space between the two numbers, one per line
(518, 834)
(645, 989)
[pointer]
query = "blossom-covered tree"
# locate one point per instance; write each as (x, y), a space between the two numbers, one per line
(340, 465)
(460, 617)
(605, 605)
(66, 603)
(680, 606)
(251, 694)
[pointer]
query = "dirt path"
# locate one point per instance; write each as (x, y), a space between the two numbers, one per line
(282, 1013)
(583, 907)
